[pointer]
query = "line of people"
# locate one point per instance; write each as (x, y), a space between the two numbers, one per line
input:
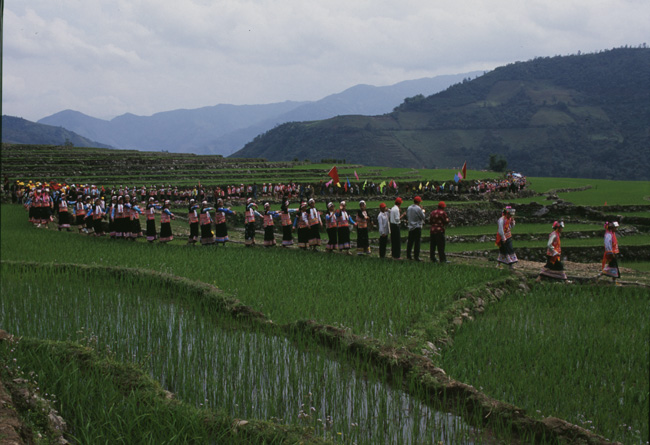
(123, 215)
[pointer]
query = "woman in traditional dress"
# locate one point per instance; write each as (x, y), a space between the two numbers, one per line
(64, 214)
(135, 226)
(220, 227)
(249, 219)
(343, 222)
(205, 221)
(507, 254)
(166, 217)
(96, 215)
(610, 263)
(363, 220)
(301, 223)
(554, 269)
(332, 228)
(287, 226)
(193, 219)
(269, 229)
(315, 223)
(151, 220)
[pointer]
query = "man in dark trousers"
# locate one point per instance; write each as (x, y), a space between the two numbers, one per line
(416, 218)
(438, 220)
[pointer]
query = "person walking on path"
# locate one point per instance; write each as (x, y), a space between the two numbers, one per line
(384, 229)
(205, 223)
(220, 227)
(395, 237)
(287, 225)
(554, 269)
(193, 219)
(249, 219)
(416, 218)
(315, 223)
(343, 223)
(301, 224)
(362, 223)
(507, 254)
(166, 217)
(332, 228)
(610, 263)
(438, 219)
(269, 226)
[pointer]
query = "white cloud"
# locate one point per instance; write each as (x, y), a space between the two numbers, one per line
(142, 56)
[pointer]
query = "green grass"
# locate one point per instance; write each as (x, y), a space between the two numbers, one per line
(602, 191)
(587, 343)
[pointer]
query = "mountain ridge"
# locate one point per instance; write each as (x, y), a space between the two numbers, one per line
(225, 128)
(570, 116)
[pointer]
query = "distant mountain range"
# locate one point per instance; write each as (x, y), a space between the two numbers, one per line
(572, 116)
(223, 129)
(20, 131)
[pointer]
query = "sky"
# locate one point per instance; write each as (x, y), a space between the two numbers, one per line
(107, 58)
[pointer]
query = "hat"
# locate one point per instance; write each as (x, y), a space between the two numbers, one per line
(417, 200)
(382, 206)
(266, 204)
(362, 202)
(442, 205)
(398, 200)
(311, 200)
(343, 203)
(557, 224)
(330, 204)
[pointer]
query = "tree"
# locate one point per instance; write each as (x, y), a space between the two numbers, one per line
(498, 163)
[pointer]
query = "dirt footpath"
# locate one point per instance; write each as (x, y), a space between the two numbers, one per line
(577, 272)
(10, 424)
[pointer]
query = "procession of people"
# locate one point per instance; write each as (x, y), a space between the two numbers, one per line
(209, 226)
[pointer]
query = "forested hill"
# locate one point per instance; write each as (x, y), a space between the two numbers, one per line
(569, 116)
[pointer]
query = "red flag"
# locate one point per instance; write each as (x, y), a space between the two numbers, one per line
(465, 170)
(334, 174)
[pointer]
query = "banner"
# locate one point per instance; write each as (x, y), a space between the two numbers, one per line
(334, 174)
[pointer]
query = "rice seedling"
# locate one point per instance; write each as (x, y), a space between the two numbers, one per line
(209, 362)
(578, 353)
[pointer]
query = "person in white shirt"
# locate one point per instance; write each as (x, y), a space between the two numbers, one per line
(394, 219)
(384, 229)
(416, 217)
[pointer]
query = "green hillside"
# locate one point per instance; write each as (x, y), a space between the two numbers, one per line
(571, 116)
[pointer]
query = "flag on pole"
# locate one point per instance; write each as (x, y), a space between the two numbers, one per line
(355, 175)
(364, 183)
(338, 184)
(334, 174)
(420, 186)
(328, 183)
(456, 178)
(349, 185)
(428, 183)
(465, 170)
(383, 183)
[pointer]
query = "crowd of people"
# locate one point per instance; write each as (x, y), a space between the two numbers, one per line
(238, 194)
(207, 225)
